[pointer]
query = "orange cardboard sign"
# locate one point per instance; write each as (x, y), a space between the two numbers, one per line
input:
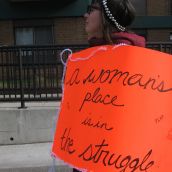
(116, 113)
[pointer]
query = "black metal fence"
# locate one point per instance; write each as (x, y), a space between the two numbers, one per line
(31, 73)
(34, 73)
(165, 47)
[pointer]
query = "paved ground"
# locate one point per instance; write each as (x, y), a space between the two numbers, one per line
(29, 158)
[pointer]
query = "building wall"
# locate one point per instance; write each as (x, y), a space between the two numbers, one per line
(6, 33)
(158, 8)
(159, 35)
(66, 30)
(69, 31)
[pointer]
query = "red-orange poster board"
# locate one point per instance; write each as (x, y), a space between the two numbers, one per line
(116, 113)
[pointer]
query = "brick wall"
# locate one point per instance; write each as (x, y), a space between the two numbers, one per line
(159, 35)
(6, 33)
(69, 31)
(66, 30)
(157, 7)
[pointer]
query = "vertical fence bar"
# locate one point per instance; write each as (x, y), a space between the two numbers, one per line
(3, 73)
(21, 80)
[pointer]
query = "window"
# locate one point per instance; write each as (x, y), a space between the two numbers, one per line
(24, 36)
(43, 35)
(170, 36)
(34, 35)
(140, 6)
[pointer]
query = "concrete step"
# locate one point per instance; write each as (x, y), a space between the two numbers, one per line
(29, 158)
(34, 124)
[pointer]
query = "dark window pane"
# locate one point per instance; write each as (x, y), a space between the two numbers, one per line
(24, 36)
(43, 35)
(34, 35)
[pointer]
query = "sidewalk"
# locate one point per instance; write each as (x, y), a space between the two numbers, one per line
(29, 158)
(15, 123)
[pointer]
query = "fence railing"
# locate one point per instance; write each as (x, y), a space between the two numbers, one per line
(34, 73)
(165, 47)
(31, 73)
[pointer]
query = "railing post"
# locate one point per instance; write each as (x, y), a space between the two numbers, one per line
(21, 80)
(161, 47)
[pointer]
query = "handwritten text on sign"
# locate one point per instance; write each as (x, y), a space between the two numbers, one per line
(116, 111)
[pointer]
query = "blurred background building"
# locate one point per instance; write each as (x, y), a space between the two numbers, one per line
(47, 22)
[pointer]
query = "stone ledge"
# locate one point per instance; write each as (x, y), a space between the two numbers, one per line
(35, 124)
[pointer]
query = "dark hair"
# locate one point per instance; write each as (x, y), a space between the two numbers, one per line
(122, 11)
